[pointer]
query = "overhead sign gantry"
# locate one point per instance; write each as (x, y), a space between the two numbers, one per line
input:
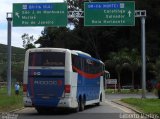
(120, 13)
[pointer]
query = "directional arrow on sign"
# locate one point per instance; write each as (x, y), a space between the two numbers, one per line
(96, 13)
(129, 13)
(25, 15)
(17, 14)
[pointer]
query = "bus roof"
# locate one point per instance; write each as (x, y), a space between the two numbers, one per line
(85, 55)
(47, 49)
(80, 52)
(76, 52)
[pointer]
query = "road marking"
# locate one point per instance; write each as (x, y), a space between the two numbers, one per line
(119, 106)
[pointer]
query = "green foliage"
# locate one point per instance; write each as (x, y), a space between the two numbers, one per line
(10, 103)
(123, 91)
(17, 61)
(146, 105)
(17, 72)
(55, 37)
(17, 54)
(28, 41)
(124, 59)
(158, 69)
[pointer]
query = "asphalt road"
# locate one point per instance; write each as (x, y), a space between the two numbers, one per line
(107, 110)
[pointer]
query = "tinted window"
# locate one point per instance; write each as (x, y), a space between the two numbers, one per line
(46, 59)
(87, 65)
(77, 62)
(91, 66)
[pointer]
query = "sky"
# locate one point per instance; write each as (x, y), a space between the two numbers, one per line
(17, 32)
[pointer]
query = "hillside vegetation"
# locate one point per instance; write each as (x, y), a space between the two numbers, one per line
(17, 61)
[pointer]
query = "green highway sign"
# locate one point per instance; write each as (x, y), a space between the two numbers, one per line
(40, 14)
(120, 13)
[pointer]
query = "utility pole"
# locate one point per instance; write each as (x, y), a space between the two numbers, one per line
(9, 19)
(143, 43)
(142, 15)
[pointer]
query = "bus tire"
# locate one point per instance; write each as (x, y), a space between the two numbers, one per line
(81, 105)
(98, 104)
(76, 109)
(40, 110)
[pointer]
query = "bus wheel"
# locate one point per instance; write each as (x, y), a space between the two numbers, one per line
(45, 110)
(76, 109)
(40, 110)
(98, 104)
(81, 105)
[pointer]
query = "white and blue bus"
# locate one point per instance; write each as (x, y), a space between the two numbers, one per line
(62, 78)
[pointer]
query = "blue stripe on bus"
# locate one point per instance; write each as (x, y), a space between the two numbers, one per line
(46, 91)
(90, 88)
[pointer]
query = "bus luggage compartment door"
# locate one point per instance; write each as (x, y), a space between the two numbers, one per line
(46, 90)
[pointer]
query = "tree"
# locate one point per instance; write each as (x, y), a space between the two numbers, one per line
(158, 69)
(17, 72)
(4, 75)
(60, 38)
(119, 59)
(134, 61)
(125, 58)
(28, 41)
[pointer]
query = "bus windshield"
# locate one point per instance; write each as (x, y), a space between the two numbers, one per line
(46, 59)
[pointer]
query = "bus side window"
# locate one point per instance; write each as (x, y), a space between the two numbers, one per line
(76, 62)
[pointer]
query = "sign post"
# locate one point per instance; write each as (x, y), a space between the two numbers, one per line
(9, 52)
(111, 82)
(109, 13)
(143, 43)
(142, 14)
(40, 14)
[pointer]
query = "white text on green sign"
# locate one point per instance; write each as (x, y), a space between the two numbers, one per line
(109, 14)
(40, 14)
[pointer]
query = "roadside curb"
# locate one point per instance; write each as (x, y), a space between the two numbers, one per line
(127, 106)
(132, 108)
(15, 110)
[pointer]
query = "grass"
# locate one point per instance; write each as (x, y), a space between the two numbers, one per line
(8, 103)
(151, 106)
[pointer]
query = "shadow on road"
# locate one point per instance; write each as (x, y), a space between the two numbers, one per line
(57, 112)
